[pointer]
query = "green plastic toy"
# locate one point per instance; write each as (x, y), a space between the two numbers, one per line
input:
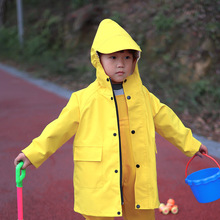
(19, 176)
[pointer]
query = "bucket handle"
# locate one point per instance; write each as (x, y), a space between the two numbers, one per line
(195, 156)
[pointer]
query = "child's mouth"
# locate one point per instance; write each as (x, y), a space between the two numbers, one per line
(120, 73)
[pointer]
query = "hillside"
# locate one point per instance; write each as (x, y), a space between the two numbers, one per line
(180, 40)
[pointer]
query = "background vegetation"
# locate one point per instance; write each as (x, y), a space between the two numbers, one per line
(180, 40)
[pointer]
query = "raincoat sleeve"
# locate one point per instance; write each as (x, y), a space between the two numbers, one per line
(169, 126)
(55, 134)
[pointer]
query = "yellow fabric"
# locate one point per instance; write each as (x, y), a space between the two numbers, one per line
(111, 37)
(128, 164)
(129, 208)
(97, 218)
(91, 116)
(148, 215)
(129, 211)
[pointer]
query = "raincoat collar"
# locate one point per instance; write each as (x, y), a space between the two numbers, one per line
(110, 38)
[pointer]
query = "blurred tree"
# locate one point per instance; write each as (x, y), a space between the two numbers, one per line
(2, 11)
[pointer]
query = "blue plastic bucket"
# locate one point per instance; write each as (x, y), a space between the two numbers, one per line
(205, 184)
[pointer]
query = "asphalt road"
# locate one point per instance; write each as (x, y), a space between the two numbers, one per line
(25, 109)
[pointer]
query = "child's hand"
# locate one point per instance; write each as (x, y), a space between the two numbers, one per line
(203, 149)
(22, 157)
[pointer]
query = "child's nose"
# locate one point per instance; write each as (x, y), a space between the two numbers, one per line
(120, 63)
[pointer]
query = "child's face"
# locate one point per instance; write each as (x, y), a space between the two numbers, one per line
(119, 65)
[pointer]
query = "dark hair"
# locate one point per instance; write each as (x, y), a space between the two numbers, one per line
(135, 53)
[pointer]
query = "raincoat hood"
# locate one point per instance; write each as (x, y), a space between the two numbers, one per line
(110, 38)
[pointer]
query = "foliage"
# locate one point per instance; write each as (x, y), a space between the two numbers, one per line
(116, 16)
(204, 91)
(79, 3)
(163, 22)
(171, 34)
(8, 40)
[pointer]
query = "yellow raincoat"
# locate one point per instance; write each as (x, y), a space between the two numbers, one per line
(91, 115)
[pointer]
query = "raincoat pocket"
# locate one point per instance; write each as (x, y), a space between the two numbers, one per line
(88, 167)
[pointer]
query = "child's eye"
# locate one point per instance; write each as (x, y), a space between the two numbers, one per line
(127, 57)
(113, 57)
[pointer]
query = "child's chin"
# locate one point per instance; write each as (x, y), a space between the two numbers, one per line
(117, 82)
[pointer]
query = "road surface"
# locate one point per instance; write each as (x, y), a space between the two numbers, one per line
(25, 109)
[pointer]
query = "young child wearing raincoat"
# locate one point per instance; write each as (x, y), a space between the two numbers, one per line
(114, 121)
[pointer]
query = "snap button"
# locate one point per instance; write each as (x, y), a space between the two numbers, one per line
(119, 213)
(116, 171)
(137, 165)
(114, 134)
(111, 98)
(128, 97)
(138, 206)
(133, 131)
(107, 79)
(125, 80)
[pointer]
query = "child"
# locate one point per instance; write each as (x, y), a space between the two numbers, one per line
(114, 122)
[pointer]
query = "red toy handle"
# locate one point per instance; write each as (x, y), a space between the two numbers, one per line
(195, 156)
(20, 203)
